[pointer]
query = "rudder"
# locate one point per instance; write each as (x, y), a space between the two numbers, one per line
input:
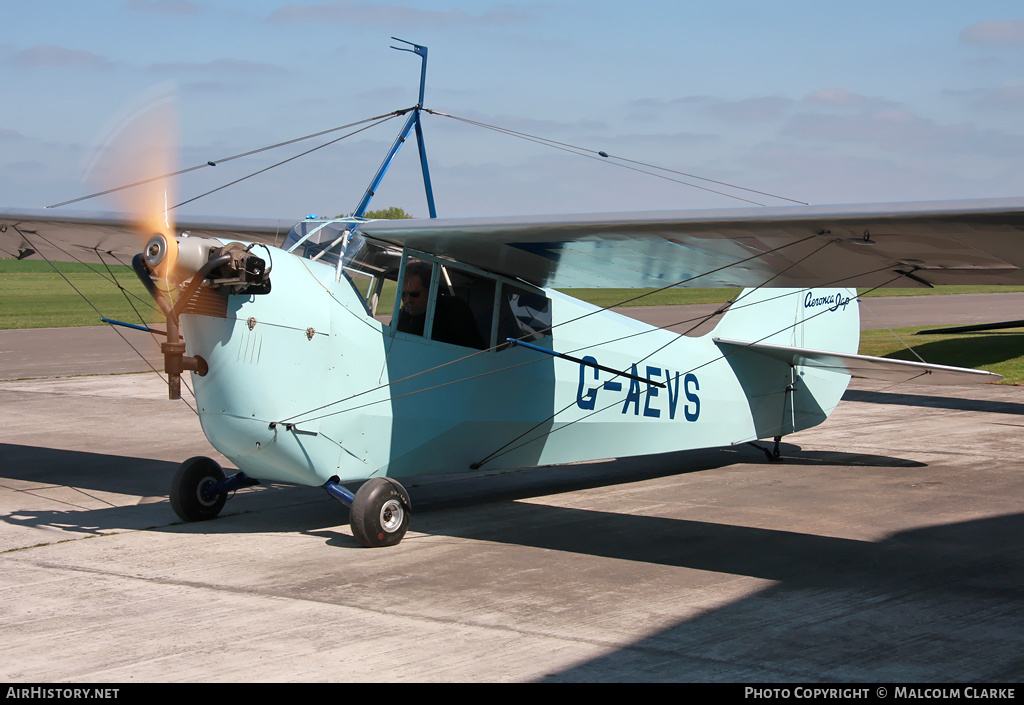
(786, 398)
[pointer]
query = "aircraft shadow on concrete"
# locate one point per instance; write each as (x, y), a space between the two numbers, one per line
(78, 481)
(943, 603)
(82, 478)
(939, 604)
(935, 402)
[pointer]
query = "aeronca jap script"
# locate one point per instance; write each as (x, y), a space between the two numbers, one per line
(833, 301)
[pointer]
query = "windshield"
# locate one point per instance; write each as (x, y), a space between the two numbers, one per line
(319, 239)
(329, 240)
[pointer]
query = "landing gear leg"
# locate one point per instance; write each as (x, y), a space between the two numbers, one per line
(380, 511)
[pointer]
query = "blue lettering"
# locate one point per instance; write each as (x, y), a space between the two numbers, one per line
(673, 393)
(832, 301)
(588, 400)
(652, 391)
(633, 396)
(586, 397)
(691, 396)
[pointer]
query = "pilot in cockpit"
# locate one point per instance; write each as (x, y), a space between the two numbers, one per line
(453, 320)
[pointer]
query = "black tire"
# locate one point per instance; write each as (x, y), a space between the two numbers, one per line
(380, 513)
(187, 500)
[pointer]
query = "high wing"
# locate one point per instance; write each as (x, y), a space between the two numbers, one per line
(89, 236)
(905, 244)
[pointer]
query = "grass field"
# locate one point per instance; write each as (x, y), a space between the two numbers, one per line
(32, 295)
(997, 351)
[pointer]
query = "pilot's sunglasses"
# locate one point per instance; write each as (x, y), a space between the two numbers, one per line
(411, 294)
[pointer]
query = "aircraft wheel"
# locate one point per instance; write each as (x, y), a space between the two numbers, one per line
(187, 498)
(380, 513)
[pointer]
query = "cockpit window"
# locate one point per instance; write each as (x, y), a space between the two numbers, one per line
(525, 315)
(446, 304)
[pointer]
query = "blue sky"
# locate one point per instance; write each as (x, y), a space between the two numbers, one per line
(823, 102)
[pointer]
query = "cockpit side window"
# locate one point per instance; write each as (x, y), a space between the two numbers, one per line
(464, 309)
(414, 299)
(446, 303)
(523, 314)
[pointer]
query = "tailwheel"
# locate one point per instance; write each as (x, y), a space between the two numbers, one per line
(189, 496)
(380, 513)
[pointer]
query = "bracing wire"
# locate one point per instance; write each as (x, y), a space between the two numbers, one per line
(604, 156)
(93, 307)
(383, 118)
(505, 450)
(215, 162)
(699, 319)
(548, 330)
(283, 161)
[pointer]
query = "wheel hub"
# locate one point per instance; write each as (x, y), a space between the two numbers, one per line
(391, 515)
(206, 499)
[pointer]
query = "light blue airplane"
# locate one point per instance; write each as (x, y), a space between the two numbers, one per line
(485, 364)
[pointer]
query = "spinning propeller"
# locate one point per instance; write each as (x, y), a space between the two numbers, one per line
(136, 164)
(131, 164)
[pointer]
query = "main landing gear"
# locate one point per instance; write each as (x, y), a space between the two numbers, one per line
(379, 510)
(200, 488)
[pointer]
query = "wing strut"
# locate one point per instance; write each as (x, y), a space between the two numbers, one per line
(412, 122)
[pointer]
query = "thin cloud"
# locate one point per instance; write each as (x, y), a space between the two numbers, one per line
(751, 109)
(840, 98)
(1009, 97)
(390, 15)
(164, 7)
(901, 131)
(538, 127)
(994, 32)
(226, 65)
(49, 56)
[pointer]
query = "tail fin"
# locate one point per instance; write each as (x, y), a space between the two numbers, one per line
(822, 319)
(786, 397)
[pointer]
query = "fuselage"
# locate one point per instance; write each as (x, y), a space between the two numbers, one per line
(305, 385)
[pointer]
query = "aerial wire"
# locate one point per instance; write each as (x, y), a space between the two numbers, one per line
(93, 306)
(602, 155)
(501, 451)
(572, 320)
(284, 161)
(215, 162)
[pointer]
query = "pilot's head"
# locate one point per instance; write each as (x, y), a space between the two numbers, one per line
(415, 288)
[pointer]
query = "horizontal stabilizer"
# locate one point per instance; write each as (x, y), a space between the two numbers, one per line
(865, 366)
